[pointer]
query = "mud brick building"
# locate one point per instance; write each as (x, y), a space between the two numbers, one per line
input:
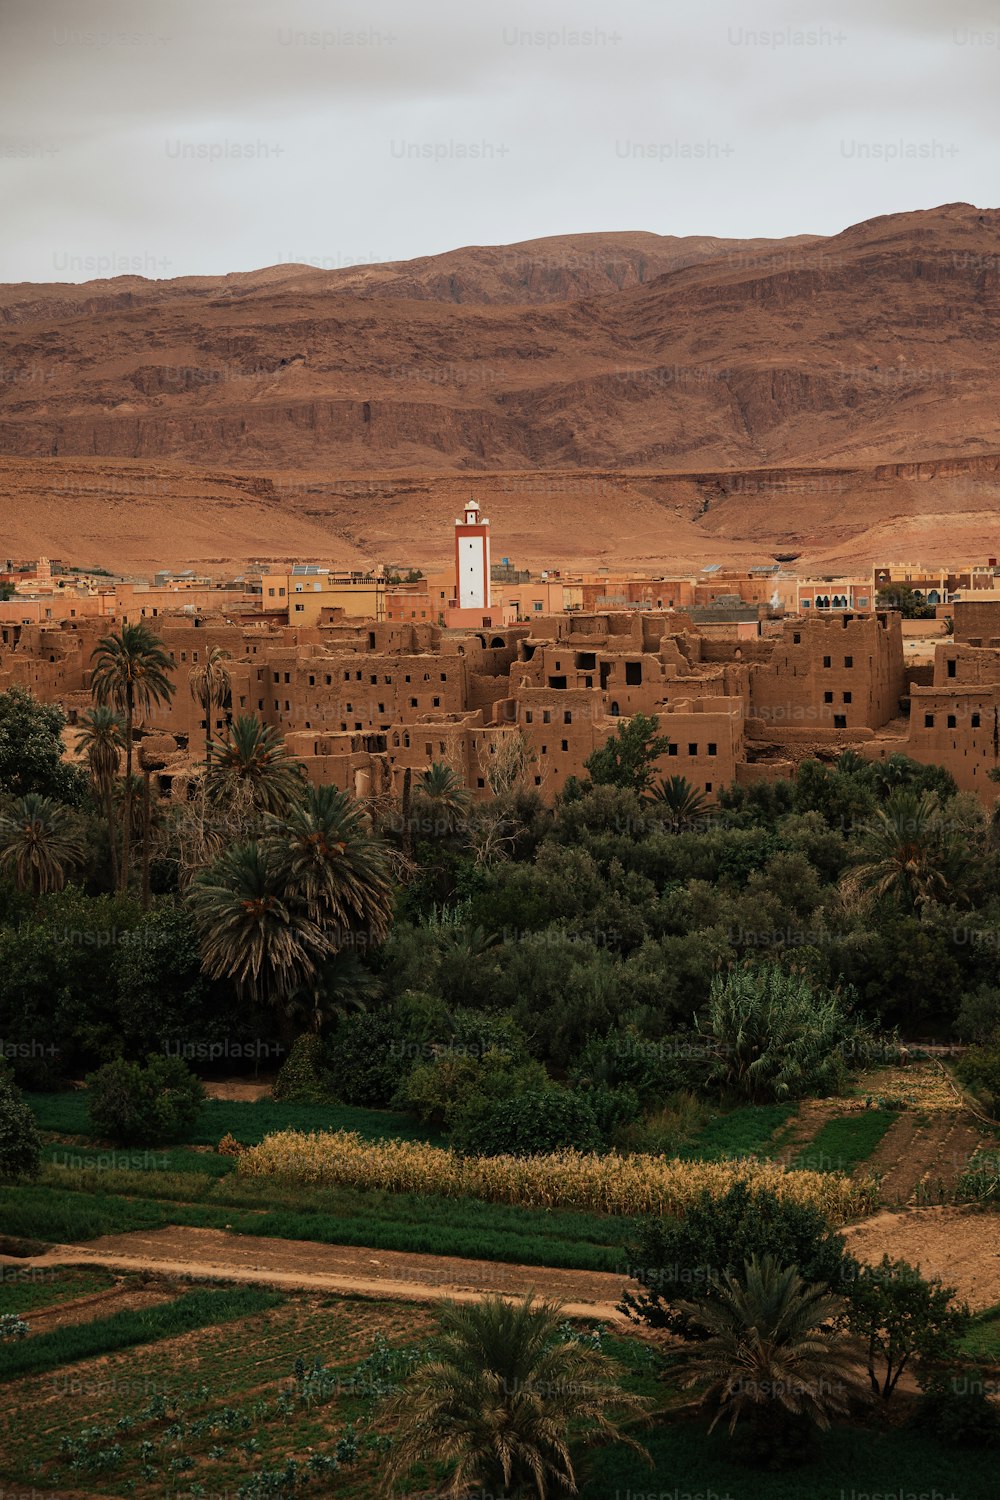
(362, 700)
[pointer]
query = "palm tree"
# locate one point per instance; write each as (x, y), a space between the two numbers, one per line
(440, 802)
(849, 763)
(328, 855)
(682, 801)
(253, 773)
(892, 774)
(908, 854)
(252, 930)
(505, 1391)
(210, 686)
(131, 672)
(40, 842)
(101, 742)
(774, 1353)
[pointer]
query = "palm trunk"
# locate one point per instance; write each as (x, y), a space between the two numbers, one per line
(407, 830)
(109, 812)
(145, 840)
(208, 734)
(127, 830)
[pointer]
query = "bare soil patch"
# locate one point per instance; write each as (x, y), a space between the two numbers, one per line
(923, 1154)
(960, 1245)
(239, 1090)
(126, 1297)
(309, 1266)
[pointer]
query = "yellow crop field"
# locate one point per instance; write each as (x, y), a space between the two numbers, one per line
(610, 1184)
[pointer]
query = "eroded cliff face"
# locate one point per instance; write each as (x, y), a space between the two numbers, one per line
(827, 394)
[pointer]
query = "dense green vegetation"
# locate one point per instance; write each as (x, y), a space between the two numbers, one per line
(464, 965)
(632, 969)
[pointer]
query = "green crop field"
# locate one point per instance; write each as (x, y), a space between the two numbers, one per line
(747, 1131)
(845, 1142)
(65, 1115)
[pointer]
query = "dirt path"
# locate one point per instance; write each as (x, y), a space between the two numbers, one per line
(308, 1266)
(958, 1244)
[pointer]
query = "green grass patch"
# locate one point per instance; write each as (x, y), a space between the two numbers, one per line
(48, 1214)
(982, 1340)
(850, 1462)
(172, 1160)
(26, 1289)
(249, 1121)
(746, 1131)
(123, 1330)
(845, 1142)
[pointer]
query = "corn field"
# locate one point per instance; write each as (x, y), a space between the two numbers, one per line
(612, 1184)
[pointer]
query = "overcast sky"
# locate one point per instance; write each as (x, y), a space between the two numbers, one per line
(173, 137)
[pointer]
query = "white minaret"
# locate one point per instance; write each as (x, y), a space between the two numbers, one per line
(472, 559)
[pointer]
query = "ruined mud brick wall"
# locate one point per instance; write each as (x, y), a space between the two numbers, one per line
(831, 674)
(958, 727)
(706, 742)
(977, 623)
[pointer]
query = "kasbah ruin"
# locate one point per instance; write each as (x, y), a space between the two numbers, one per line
(748, 672)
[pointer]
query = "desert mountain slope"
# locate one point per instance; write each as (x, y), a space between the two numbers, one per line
(800, 392)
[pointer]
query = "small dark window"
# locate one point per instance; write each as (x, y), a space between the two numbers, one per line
(633, 673)
(712, 750)
(827, 697)
(848, 697)
(840, 721)
(952, 667)
(797, 638)
(827, 661)
(975, 721)
(692, 749)
(952, 721)
(671, 749)
(565, 744)
(848, 661)
(928, 721)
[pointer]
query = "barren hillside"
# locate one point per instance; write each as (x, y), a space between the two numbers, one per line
(625, 398)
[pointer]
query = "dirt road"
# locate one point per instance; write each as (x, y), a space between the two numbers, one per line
(959, 1245)
(306, 1265)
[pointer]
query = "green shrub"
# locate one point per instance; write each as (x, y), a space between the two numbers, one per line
(532, 1124)
(136, 1105)
(773, 1036)
(483, 1061)
(677, 1259)
(979, 1068)
(958, 1411)
(367, 1058)
(654, 1069)
(302, 1078)
(980, 1182)
(20, 1143)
